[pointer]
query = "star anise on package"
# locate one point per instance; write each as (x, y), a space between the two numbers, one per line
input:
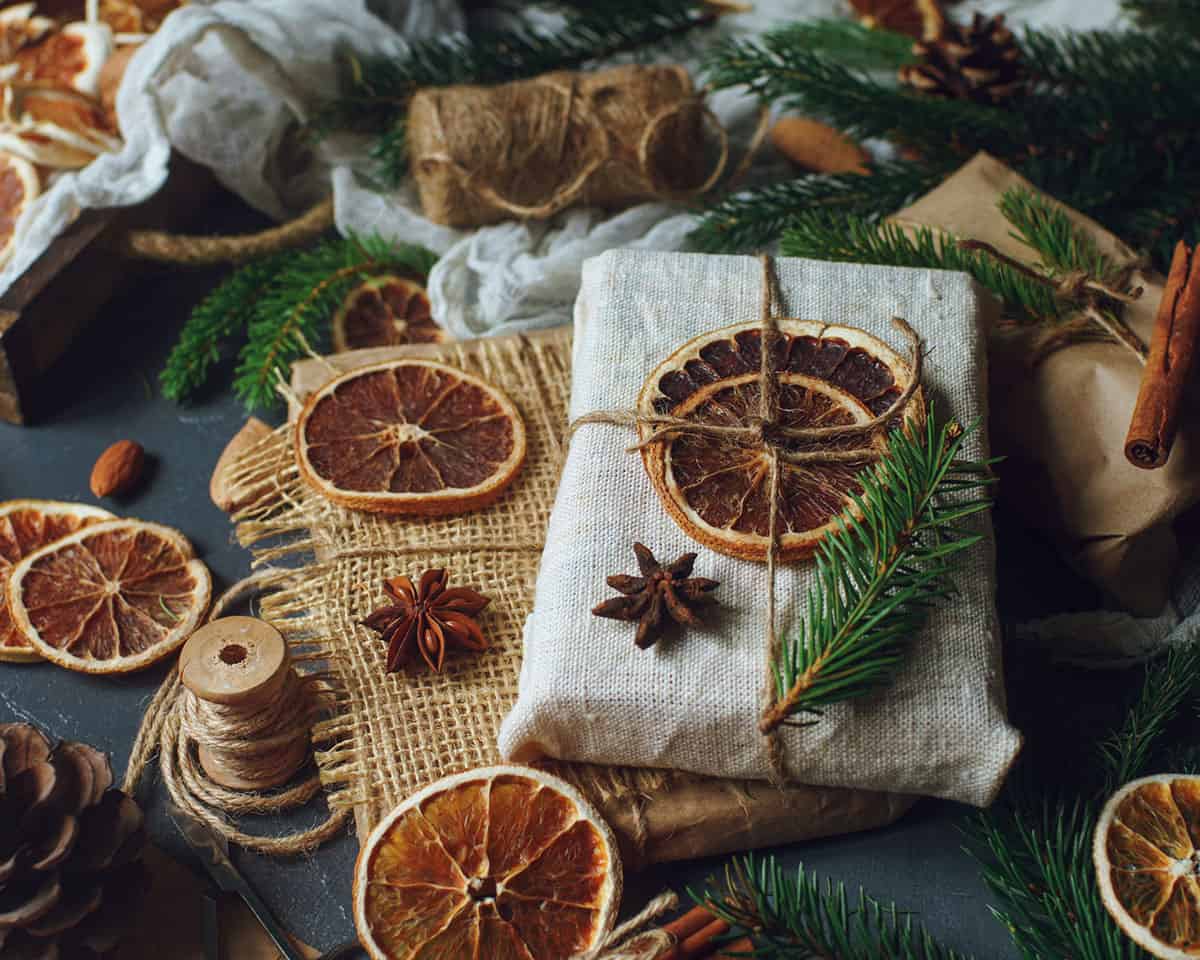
(427, 619)
(660, 595)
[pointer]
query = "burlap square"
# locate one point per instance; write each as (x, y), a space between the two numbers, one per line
(394, 733)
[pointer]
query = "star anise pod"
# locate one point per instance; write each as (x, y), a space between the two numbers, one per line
(660, 594)
(426, 619)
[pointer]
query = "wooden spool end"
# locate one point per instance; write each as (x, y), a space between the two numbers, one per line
(241, 662)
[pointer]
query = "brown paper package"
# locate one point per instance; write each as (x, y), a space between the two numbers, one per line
(1061, 425)
(534, 147)
(673, 817)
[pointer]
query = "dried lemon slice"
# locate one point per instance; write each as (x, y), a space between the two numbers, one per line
(1147, 855)
(500, 863)
(110, 598)
(385, 311)
(718, 488)
(25, 527)
(410, 437)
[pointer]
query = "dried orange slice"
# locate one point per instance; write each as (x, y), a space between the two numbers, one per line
(19, 187)
(110, 598)
(27, 526)
(717, 489)
(70, 58)
(1147, 855)
(54, 128)
(385, 311)
(410, 437)
(19, 27)
(500, 863)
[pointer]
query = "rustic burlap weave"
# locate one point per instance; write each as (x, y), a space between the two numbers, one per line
(392, 734)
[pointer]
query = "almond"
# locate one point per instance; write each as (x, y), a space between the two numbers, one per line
(818, 147)
(119, 469)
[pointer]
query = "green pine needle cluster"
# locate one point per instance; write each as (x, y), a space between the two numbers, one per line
(1103, 125)
(792, 915)
(375, 93)
(1036, 854)
(878, 573)
(1180, 15)
(280, 306)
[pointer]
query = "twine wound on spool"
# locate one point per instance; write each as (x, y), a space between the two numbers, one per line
(236, 729)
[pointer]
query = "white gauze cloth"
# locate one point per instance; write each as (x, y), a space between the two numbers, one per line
(692, 703)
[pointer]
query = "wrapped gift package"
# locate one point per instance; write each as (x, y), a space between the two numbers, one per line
(692, 703)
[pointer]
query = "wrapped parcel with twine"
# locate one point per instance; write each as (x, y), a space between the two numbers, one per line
(529, 149)
(694, 702)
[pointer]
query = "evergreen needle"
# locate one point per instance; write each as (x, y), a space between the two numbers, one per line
(794, 916)
(880, 570)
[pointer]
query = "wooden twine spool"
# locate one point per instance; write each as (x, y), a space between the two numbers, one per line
(245, 707)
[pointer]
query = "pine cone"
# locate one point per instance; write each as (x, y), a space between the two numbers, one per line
(980, 62)
(70, 850)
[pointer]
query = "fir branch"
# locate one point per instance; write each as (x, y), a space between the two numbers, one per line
(823, 236)
(879, 572)
(302, 295)
(375, 93)
(1038, 862)
(794, 916)
(218, 319)
(1175, 15)
(1062, 247)
(754, 219)
(850, 43)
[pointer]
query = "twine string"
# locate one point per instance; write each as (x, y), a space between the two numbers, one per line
(773, 437)
(625, 943)
(176, 721)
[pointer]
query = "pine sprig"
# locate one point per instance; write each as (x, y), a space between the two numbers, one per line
(1036, 859)
(375, 93)
(792, 915)
(304, 293)
(1177, 15)
(824, 236)
(878, 573)
(1062, 246)
(849, 42)
(219, 318)
(279, 306)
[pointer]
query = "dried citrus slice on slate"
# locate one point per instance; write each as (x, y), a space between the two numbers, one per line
(71, 57)
(385, 311)
(110, 598)
(1147, 855)
(27, 526)
(500, 863)
(411, 437)
(19, 187)
(718, 490)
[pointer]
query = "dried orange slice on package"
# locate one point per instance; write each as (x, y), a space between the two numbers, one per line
(718, 489)
(19, 187)
(27, 526)
(410, 437)
(70, 58)
(385, 311)
(110, 598)
(501, 863)
(1147, 856)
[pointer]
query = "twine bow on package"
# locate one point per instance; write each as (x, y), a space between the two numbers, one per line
(693, 702)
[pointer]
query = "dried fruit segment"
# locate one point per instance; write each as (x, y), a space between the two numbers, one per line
(410, 437)
(25, 527)
(19, 187)
(540, 878)
(110, 598)
(1148, 865)
(385, 311)
(70, 58)
(717, 486)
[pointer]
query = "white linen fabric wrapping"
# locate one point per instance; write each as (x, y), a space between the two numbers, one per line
(692, 703)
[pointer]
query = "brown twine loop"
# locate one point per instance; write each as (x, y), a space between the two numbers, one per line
(773, 437)
(623, 944)
(600, 148)
(198, 250)
(176, 721)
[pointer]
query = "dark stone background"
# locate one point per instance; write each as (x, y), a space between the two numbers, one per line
(105, 389)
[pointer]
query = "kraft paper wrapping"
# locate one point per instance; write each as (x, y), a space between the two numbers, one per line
(657, 815)
(1061, 426)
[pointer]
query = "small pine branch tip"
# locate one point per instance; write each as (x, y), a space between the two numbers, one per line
(879, 572)
(792, 915)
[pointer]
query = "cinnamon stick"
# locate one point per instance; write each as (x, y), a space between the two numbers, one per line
(739, 948)
(1169, 365)
(695, 931)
